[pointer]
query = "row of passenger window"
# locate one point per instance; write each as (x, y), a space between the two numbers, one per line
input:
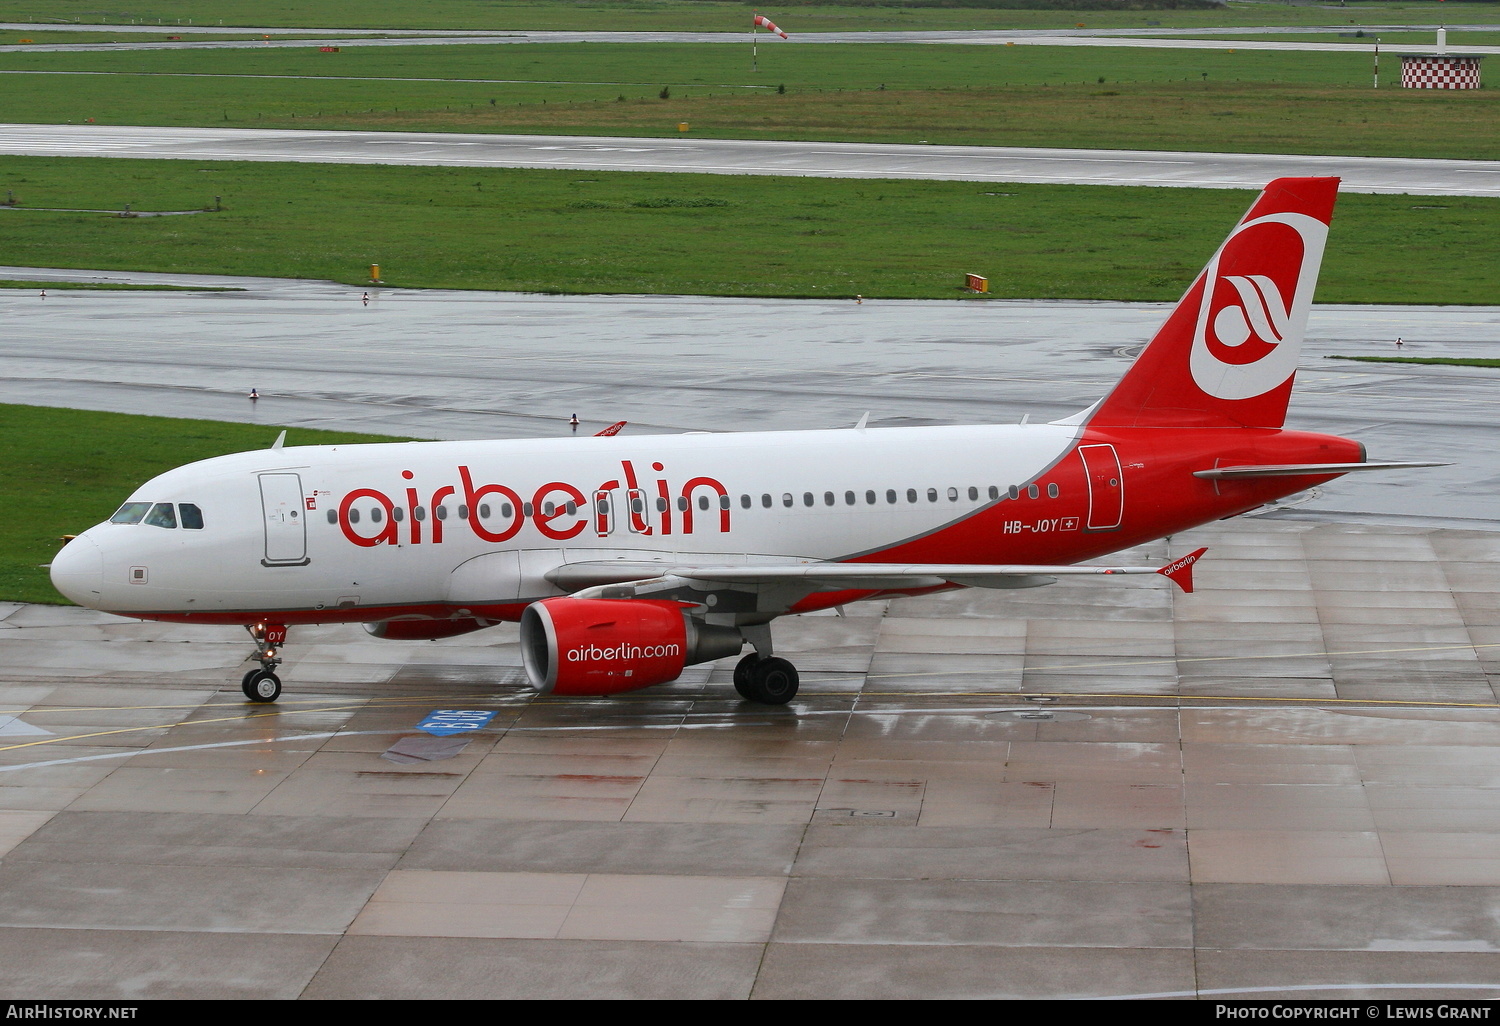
(160, 514)
(892, 496)
(638, 504)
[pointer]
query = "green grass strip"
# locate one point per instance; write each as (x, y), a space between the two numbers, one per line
(1443, 361)
(720, 16)
(1089, 97)
(62, 471)
(105, 286)
(601, 232)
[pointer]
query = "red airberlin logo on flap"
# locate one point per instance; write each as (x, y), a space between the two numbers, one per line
(1254, 299)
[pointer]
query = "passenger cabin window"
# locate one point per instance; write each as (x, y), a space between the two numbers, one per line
(952, 494)
(786, 499)
(333, 516)
(1032, 492)
(398, 514)
(745, 501)
(1052, 491)
(192, 516)
(807, 498)
(1014, 492)
(130, 513)
(765, 499)
(973, 493)
(994, 491)
(848, 498)
(911, 495)
(162, 515)
(932, 495)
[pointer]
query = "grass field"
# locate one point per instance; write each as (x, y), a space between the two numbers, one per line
(1247, 101)
(598, 70)
(709, 15)
(62, 471)
(1439, 361)
(574, 231)
(13, 37)
(56, 286)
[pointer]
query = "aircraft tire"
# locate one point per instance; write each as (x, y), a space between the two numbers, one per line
(773, 681)
(261, 686)
(744, 672)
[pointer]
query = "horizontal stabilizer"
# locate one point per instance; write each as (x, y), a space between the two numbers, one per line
(1302, 469)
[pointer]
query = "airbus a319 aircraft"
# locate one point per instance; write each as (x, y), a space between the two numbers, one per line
(626, 558)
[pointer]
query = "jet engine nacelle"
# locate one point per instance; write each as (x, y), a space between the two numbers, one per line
(425, 630)
(604, 646)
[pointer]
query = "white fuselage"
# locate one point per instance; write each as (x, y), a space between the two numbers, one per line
(364, 531)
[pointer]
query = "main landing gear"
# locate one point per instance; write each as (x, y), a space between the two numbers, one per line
(769, 680)
(262, 685)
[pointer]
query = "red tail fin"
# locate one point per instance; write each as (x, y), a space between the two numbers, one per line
(1227, 354)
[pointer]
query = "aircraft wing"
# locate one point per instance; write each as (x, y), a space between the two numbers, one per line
(818, 576)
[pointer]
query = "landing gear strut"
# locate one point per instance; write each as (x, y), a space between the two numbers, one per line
(263, 685)
(769, 681)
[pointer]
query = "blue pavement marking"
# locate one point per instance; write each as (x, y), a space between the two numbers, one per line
(445, 722)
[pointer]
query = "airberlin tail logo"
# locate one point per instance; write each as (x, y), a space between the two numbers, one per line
(1253, 305)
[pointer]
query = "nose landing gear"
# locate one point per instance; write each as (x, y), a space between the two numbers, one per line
(262, 685)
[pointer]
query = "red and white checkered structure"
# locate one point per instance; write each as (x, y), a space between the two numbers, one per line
(1439, 71)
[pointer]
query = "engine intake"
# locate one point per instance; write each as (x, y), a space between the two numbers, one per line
(605, 646)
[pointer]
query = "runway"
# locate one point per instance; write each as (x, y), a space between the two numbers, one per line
(1412, 176)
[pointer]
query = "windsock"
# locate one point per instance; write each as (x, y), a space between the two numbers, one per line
(761, 21)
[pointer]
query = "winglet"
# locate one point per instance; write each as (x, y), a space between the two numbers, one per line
(1180, 571)
(613, 429)
(280, 440)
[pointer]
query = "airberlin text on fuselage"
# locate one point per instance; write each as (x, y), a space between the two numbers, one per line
(558, 510)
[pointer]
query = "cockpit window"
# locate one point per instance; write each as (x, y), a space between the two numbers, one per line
(192, 516)
(130, 513)
(162, 515)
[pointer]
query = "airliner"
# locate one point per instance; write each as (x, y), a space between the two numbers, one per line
(626, 558)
